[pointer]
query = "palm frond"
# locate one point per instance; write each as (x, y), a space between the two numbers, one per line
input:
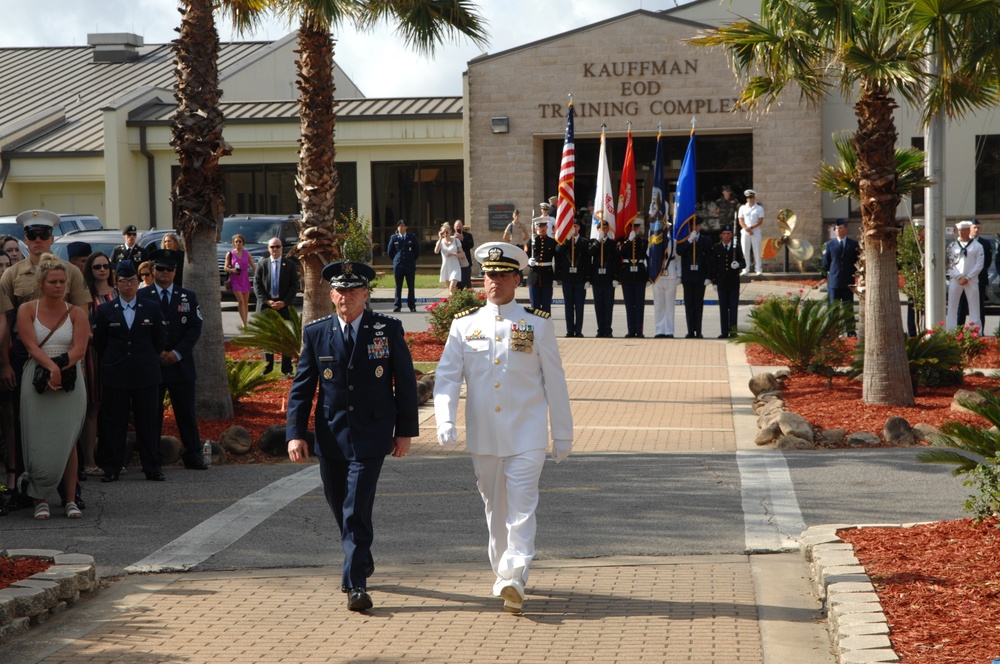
(271, 333)
(246, 377)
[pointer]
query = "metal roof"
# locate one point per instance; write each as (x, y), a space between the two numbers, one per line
(36, 80)
(426, 108)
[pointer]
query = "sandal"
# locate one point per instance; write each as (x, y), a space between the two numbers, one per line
(72, 511)
(42, 511)
(93, 471)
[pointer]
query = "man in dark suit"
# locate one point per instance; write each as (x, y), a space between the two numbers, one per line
(182, 318)
(366, 409)
(696, 273)
(404, 250)
(727, 263)
(129, 334)
(130, 249)
(840, 262)
(465, 239)
(275, 283)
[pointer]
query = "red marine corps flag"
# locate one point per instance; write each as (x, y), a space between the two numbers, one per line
(566, 207)
(628, 208)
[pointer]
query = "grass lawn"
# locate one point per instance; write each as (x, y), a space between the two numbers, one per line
(425, 367)
(421, 281)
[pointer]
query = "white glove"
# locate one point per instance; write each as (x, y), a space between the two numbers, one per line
(561, 449)
(532, 262)
(447, 435)
(614, 284)
(708, 282)
(601, 235)
(586, 286)
(631, 236)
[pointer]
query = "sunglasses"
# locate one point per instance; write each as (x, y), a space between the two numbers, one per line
(43, 234)
(164, 268)
(103, 266)
(145, 274)
(130, 234)
(274, 246)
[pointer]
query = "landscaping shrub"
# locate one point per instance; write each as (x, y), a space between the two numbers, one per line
(441, 313)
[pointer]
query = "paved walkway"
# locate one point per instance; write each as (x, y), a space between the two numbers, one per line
(690, 395)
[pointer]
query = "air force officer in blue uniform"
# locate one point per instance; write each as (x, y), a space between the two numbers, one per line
(367, 409)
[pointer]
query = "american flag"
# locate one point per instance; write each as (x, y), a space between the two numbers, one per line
(566, 207)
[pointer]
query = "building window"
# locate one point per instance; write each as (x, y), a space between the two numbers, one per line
(917, 197)
(988, 174)
(425, 194)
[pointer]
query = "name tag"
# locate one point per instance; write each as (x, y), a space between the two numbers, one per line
(326, 358)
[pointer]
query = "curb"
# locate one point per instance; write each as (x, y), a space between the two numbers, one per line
(33, 600)
(857, 624)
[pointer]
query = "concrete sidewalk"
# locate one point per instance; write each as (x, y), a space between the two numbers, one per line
(710, 608)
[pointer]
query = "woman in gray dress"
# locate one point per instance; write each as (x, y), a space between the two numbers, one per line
(55, 335)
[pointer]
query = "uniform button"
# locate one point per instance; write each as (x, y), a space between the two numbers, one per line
(496, 361)
(498, 338)
(496, 384)
(499, 317)
(498, 409)
(350, 387)
(351, 408)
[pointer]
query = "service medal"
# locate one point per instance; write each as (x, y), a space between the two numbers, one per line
(379, 370)
(328, 373)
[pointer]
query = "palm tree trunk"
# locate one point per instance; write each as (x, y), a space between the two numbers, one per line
(886, 378)
(317, 181)
(198, 193)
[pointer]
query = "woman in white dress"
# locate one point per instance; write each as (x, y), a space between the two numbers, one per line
(448, 247)
(55, 335)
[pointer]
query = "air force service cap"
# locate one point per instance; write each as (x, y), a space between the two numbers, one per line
(348, 274)
(501, 257)
(165, 257)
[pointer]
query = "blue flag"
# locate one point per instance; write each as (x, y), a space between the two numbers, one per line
(686, 201)
(657, 215)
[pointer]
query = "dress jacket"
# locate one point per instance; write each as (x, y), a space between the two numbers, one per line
(965, 260)
(513, 397)
(183, 321)
(573, 260)
(130, 358)
(633, 253)
(358, 410)
(724, 275)
(135, 253)
(605, 262)
(404, 250)
(543, 250)
(696, 260)
(840, 264)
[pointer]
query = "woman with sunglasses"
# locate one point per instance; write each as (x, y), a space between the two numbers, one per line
(146, 274)
(240, 265)
(100, 281)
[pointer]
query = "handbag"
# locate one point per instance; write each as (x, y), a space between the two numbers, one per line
(40, 379)
(229, 281)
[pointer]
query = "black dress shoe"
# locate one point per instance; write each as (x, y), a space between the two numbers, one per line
(156, 477)
(358, 600)
(195, 465)
(413, 310)
(109, 477)
(368, 574)
(395, 310)
(723, 336)
(698, 335)
(689, 335)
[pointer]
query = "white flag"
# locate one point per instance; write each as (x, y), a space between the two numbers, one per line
(604, 200)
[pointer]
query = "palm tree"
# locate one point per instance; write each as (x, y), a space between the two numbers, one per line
(422, 24)
(871, 51)
(197, 193)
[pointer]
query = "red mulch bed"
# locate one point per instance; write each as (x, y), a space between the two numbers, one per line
(939, 585)
(18, 569)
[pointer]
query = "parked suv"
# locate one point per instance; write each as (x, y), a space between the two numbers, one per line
(256, 230)
(69, 223)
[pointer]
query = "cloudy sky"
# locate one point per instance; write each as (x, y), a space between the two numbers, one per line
(375, 61)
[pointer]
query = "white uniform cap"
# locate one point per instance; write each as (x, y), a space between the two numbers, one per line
(963, 224)
(38, 218)
(750, 192)
(501, 257)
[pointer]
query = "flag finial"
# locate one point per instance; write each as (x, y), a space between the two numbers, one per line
(628, 123)
(694, 123)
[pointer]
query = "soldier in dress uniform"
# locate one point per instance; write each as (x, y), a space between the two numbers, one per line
(602, 271)
(366, 410)
(634, 276)
(404, 250)
(129, 250)
(696, 274)
(541, 264)
(182, 316)
(572, 258)
(727, 263)
(129, 334)
(665, 287)
(515, 385)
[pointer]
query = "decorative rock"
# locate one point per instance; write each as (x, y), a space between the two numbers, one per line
(782, 374)
(775, 406)
(765, 421)
(762, 381)
(925, 433)
(880, 656)
(768, 434)
(793, 443)
(793, 424)
(965, 395)
(832, 436)
(896, 431)
(770, 393)
(272, 441)
(863, 438)
(16, 627)
(425, 388)
(170, 450)
(236, 440)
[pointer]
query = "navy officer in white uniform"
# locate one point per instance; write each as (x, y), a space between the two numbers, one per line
(366, 410)
(509, 359)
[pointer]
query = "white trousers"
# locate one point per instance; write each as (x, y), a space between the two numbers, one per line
(752, 242)
(971, 295)
(509, 487)
(664, 302)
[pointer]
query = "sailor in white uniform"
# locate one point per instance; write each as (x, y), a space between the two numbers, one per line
(515, 387)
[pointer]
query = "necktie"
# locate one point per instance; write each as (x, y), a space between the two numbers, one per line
(164, 303)
(129, 312)
(349, 340)
(275, 266)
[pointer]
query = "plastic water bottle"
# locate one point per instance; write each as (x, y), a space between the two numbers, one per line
(206, 453)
